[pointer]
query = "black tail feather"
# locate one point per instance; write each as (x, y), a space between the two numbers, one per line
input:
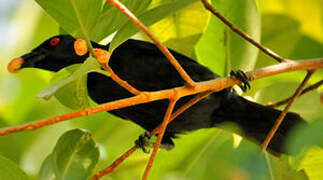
(256, 121)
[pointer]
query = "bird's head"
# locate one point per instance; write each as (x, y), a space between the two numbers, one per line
(54, 54)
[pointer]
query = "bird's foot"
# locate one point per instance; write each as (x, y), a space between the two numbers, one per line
(243, 77)
(145, 141)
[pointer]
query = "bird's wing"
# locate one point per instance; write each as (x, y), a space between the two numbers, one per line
(145, 67)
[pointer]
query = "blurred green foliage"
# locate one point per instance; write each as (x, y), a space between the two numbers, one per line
(292, 28)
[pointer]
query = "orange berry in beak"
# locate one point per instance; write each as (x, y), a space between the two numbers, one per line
(102, 56)
(15, 64)
(80, 47)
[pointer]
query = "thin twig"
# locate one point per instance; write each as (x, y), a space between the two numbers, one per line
(161, 47)
(182, 109)
(168, 113)
(103, 56)
(213, 85)
(115, 164)
(118, 80)
(285, 111)
(308, 89)
(234, 28)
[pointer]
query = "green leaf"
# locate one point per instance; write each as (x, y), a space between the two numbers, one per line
(77, 17)
(74, 94)
(297, 9)
(111, 19)
(75, 155)
(184, 45)
(312, 163)
(307, 47)
(304, 137)
(71, 89)
(280, 169)
(148, 18)
(46, 171)
(307, 105)
(274, 35)
(10, 171)
(181, 24)
(221, 49)
(209, 153)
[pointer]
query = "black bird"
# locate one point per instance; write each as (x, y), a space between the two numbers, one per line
(143, 66)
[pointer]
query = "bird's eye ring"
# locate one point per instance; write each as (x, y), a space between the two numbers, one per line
(54, 41)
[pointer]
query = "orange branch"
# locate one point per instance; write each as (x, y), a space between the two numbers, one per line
(161, 135)
(103, 57)
(161, 47)
(285, 111)
(213, 85)
(115, 164)
(118, 80)
(182, 109)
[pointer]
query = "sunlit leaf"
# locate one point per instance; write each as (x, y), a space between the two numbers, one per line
(282, 170)
(77, 17)
(75, 155)
(184, 45)
(9, 170)
(219, 48)
(312, 163)
(308, 13)
(148, 18)
(181, 24)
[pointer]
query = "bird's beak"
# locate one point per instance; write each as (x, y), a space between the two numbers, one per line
(27, 60)
(15, 65)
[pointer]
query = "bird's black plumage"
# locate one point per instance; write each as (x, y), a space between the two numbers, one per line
(143, 66)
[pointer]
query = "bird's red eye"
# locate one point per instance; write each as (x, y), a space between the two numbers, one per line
(54, 41)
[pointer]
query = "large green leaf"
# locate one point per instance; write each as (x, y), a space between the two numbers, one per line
(46, 171)
(111, 19)
(305, 137)
(74, 94)
(75, 155)
(77, 17)
(184, 45)
(274, 37)
(308, 47)
(280, 169)
(307, 144)
(70, 84)
(219, 48)
(181, 24)
(210, 153)
(307, 105)
(148, 18)
(10, 171)
(312, 163)
(308, 13)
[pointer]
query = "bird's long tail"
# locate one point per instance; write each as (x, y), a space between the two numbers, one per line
(256, 121)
